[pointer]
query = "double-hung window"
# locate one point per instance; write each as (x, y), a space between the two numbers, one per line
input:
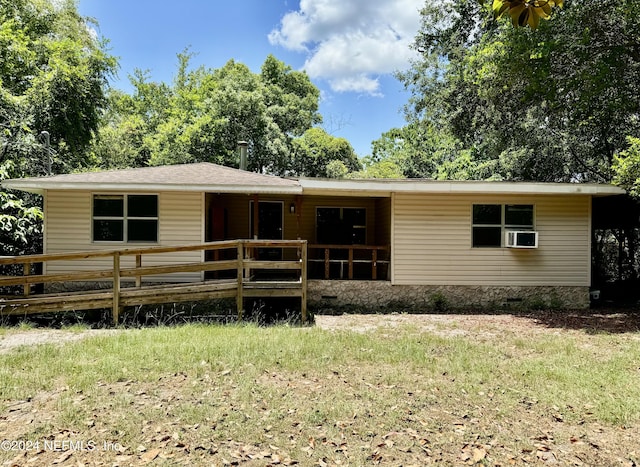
(125, 218)
(490, 221)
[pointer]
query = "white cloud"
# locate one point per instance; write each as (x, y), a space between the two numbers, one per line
(351, 42)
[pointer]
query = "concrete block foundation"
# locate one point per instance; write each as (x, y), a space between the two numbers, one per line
(376, 296)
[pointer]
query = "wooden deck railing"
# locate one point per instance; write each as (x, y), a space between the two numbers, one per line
(335, 254)
(238, 257)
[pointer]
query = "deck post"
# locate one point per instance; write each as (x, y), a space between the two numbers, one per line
(116, 287)
(303, 280)
(138, 265)
(350, 264)
(26, 271)
(326, 263)
(239, 296)
(374, 264)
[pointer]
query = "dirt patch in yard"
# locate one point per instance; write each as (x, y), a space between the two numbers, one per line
(489, 325)
(15, 339)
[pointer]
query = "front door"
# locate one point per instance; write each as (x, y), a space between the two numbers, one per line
(270, 216)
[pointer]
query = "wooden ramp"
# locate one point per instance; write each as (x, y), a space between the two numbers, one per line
(239, 260)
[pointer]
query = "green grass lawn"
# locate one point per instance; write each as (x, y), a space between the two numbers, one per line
(248, 395)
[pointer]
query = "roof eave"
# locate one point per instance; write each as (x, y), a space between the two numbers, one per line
(379, 188)
(42, 186)
(386, 187)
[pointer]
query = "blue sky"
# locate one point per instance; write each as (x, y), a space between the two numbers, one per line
(349, 48)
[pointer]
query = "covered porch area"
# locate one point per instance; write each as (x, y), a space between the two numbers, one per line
(348, 237)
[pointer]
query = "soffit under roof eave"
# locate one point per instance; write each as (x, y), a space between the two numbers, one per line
(347, 192)
(34, 190)
(385, 188)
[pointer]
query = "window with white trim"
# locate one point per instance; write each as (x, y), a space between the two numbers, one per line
(490, 221)
(125, 218)
(341, 226)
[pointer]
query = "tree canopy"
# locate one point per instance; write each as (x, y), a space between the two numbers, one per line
(203, 114)
(53, 76)
(53, 79)
(318, 154)
(554, 104)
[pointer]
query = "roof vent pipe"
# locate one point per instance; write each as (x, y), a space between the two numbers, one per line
(242, 146)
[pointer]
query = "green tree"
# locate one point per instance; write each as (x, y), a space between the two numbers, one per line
(554, 104)
(20, 223)
(53, 76)
(626, 167)
(203, 114)
(316, 150)
(336, 169)
(381, 169)
(122, 139)
(418, 150)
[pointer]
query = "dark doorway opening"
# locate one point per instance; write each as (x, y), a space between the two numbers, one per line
(270, 219)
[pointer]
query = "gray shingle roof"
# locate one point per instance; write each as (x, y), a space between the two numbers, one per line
(202, 176)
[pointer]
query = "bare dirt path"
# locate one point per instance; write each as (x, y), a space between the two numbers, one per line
(490, 325)
(14, 339)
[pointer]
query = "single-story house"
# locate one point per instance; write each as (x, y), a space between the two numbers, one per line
(371, 242)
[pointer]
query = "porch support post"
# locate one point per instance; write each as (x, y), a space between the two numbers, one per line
(326, 263)
(350, 264)
(138, 265)
(256, 217)
(303, 280)
(298, 214)
(26, 271)
(116, 288)
(239, 295)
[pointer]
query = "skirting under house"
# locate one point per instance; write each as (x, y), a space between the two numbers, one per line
(375, 296)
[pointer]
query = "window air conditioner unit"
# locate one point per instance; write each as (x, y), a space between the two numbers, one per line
(522, 239)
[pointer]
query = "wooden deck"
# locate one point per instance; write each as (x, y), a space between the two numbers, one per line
(239, 258)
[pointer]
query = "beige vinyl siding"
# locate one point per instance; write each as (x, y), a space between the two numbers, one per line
(432, 243)
(69, 226)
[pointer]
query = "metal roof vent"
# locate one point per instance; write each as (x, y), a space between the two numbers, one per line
(242, 146)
